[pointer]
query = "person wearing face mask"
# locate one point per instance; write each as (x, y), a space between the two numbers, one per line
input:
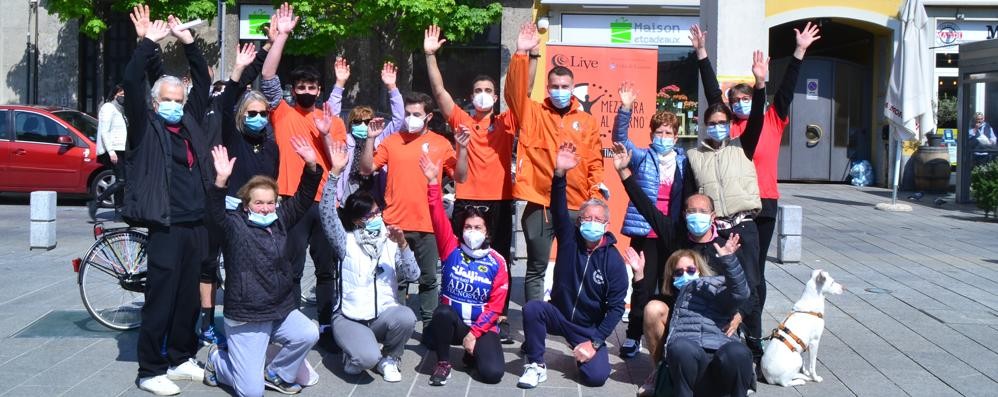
(404, 204)
(981, 133)
(168, 168)
(261, 301)
(111, 134)
(300, 120)
(659, 172)
(543, 126)
(475, 283)
(373, 259)
(587, 295)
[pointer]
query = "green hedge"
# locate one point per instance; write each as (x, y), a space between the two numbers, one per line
(984, 187)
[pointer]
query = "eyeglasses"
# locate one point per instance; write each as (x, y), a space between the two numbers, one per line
(592, 219)
(361, 121)
(371, 215)
(691, 211)
(690, 270)
(254, 113)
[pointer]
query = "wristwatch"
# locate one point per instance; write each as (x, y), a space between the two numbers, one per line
(597, 343)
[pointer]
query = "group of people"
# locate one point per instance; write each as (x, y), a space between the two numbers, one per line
(224, 168)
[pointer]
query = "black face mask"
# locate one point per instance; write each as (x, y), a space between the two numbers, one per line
(305, 100)
(120, 100)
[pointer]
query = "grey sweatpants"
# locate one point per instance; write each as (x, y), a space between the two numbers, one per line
(242, 365)
(359, 340)
(538, 233)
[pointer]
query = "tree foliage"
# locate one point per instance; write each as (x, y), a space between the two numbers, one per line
(93, 13)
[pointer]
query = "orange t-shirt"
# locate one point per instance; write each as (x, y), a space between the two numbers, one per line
(405, 190)
(490, 153)
(289, 121)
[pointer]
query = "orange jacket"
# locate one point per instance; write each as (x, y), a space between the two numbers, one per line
(542, 130)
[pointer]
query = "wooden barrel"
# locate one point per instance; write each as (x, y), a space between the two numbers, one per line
(932, 169)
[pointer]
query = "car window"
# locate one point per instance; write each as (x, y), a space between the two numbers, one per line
(81, 121)
(33, 127)
(4, 131)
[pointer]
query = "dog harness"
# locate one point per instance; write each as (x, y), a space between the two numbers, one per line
(783, 328)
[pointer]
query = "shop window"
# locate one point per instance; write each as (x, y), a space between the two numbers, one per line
(679, 81)
(947, 60)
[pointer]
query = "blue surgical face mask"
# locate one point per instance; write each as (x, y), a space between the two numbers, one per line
(262, 220)
(359, 131)
(718, 132)
(560, 98)
(255, 124)
(742, 108)
(170, 111)
(698, 224)
(662, 145)
(592, 231)
(374, 224)
(681, 281)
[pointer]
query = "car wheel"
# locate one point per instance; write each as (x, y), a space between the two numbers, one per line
(100, 183)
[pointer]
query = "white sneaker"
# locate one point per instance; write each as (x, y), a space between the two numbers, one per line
(533, 374)
(389, 369)
(189, 370)
(159, 385)
(349, 367)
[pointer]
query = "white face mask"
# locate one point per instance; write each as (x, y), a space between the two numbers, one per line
(474, 238)
(414, 124)
(483, 101)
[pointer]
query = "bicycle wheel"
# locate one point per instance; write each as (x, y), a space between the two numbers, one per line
(112, 279)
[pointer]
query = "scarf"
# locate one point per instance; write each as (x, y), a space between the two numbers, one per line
(475, 254)
(371, 243)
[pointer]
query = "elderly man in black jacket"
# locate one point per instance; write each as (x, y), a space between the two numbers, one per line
(168, 169)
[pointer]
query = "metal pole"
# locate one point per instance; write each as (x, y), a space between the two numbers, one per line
(221, 40)
(35, 56)
(897, 170)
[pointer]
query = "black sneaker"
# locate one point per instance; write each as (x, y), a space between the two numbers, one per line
(630, 348)
(274, 382)
(504, 337)
(92, 209)
(441, 374)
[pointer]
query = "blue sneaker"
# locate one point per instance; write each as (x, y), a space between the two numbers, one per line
(209, 337)
(274, 382)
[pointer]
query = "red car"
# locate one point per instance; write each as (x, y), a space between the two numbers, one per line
(50, 148)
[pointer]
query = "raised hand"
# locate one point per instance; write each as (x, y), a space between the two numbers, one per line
(323, 123)
(431, 40)
(528, 38)
(304, 150)
(140, 18)
(157, 31)
(182, 34)
(729, 247)
(698, 37)
(397, 236)
(389, 74)
(430, 169)
(341, 68)
(286, 19)
(621, 156)
(809, 35)
(463, 136)
(375, 127)
(566, 158)
(245, 55)
(337, 157)
(760, 66)
(637, 263)
(628, 94)
(223, 164)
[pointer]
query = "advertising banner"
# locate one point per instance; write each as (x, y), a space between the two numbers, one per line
(626, 29)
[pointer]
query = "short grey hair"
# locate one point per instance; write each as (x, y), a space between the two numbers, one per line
(168, 80)
(597, 203)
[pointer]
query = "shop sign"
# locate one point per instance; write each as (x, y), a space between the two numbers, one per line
(953, 32)
(626, 29)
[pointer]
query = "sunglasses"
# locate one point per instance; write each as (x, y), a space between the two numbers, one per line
(690, 270)
(481, 208)
(361, 121)
(254, 113)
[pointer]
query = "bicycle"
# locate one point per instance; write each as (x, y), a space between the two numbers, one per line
(112, 276)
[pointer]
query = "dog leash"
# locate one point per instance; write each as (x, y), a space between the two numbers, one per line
(783, 328)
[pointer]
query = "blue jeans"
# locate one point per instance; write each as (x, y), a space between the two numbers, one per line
(541, 318)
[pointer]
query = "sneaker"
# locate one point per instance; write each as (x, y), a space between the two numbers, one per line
(274, 382)
(159, 385)
(208, 336)
(349, 367)
(630, 348)
(389, 369)
(533, 374)
(648, 389)
(210, 378)
(92, 209)
(627, 314)
(504, 337)
(441, 374)
(189, 370)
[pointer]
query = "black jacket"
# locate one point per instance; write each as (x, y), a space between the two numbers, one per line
(147, 161)
(258, 155)
(259, 280)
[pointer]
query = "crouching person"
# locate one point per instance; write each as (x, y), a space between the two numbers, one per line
(373, 259)
(590, 282)
(261, 306)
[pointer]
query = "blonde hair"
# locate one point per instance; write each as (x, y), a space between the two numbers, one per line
(247, 99)
(256, 182)
(358, 113)
(670, 265)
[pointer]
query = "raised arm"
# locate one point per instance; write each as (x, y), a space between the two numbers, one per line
(328, 215)
(565, 160)
(753, 129)
(462, 136)
(431, 44)
(341, 68)
(711, 88)
(198, 98)
(497, 299)
(785, 93)
(446, 241)
(389, 75)
(594, 164)
(517, 89)
(215, 210)
(622, 121)
(134, 82)
(283, 22)
(375, 128)
(291, 210)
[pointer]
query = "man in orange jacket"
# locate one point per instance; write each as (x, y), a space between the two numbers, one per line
(543, 126)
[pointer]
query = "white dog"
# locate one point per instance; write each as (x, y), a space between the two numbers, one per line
(782, 360)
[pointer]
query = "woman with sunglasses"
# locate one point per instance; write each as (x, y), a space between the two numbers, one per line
(473, 288)
(373, 259)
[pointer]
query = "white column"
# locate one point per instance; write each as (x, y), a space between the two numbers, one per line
(735, 28)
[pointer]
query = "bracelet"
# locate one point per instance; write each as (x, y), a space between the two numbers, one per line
(535, 56)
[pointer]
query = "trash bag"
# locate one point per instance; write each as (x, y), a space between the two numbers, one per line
(861, 173)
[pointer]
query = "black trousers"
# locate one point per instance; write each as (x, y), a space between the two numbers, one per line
(642, 291)
(748, 256)
(498, 221)
(448, 329)
(308, 233)
(174, 255)
(117, 188)
(766, 223)
(695, 371)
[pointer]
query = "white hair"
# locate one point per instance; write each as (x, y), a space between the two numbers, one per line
(598, 203)
(168, 80)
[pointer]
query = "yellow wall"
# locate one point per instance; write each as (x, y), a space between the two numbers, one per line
(883, 7)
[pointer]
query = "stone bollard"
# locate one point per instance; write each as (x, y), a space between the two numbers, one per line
(43, 206)
(789, 227)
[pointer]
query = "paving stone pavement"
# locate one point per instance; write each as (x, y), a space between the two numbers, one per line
(933, 332)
